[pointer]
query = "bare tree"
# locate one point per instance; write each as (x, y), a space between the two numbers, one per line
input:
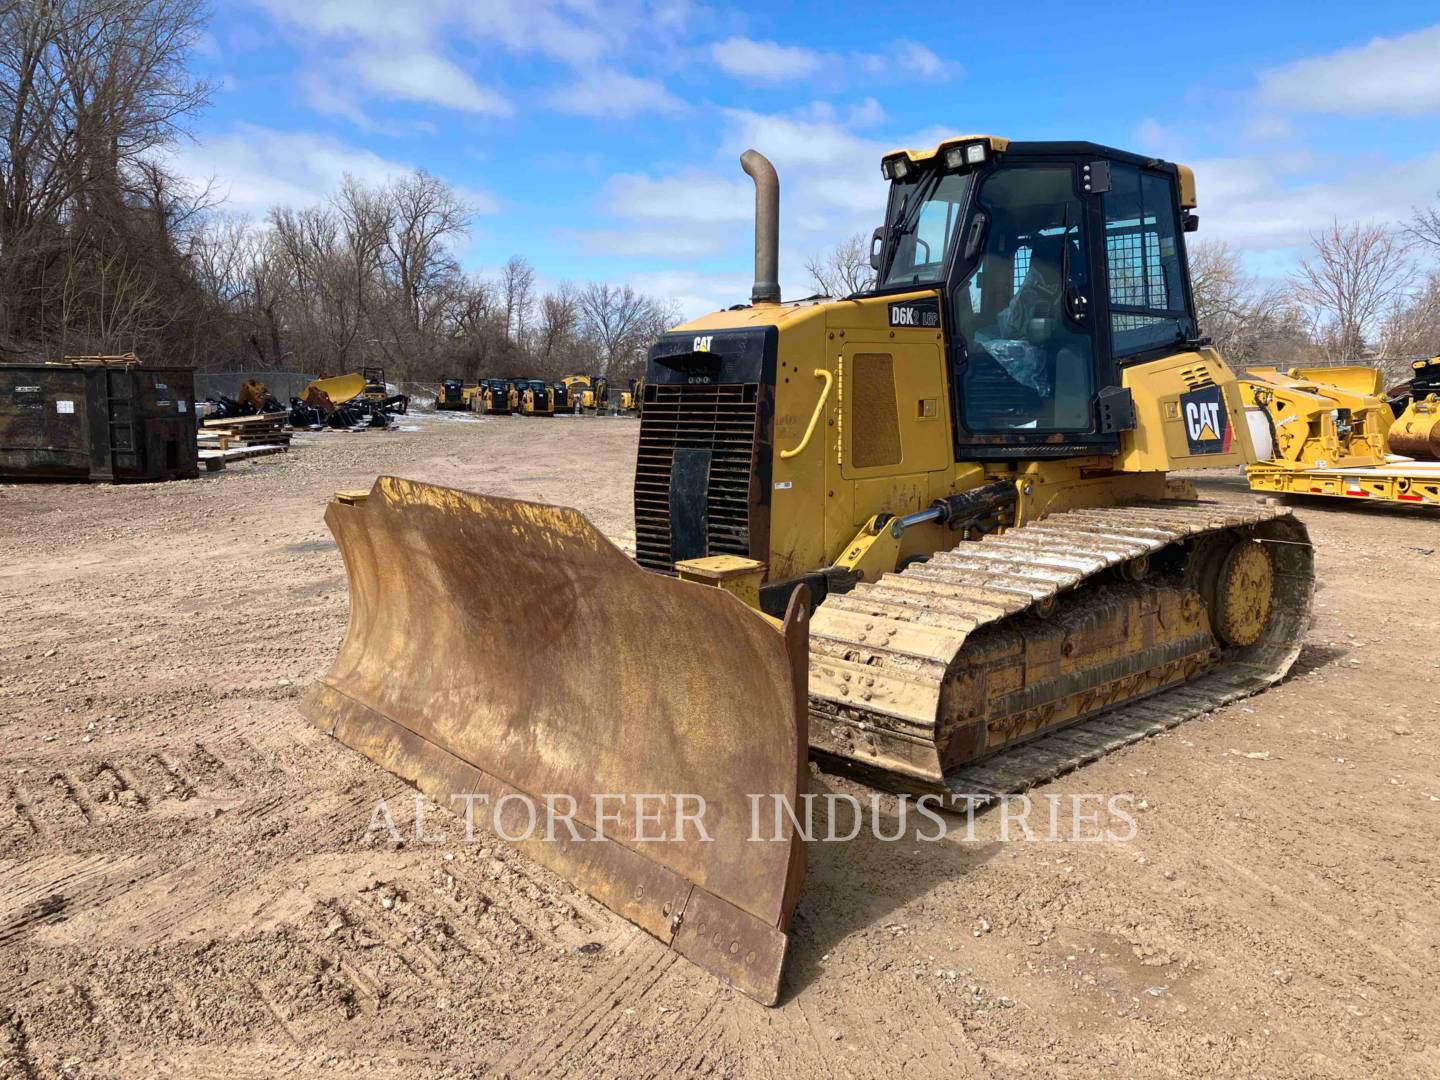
(614, 316)
(842, 270)
(558, 328)
(1412, 329)
(88, 90)
(1355, 274)
(1249, 322)
(1424, 228)
(517, 285)
(426, 217)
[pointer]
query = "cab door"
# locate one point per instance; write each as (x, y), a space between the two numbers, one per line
(892, 429)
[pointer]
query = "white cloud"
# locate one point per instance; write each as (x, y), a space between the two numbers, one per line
(696, 293)
(692, 196)
(909, 60)
(427, 77)
(867, 114)
(830, 187)
(389, 22)
(916, 59)
(1386, 75)
(408, 50)
(1267, 127)
(1258, 205)
(614, 93)
(256, 168)
(678, 243)
(765, 61)
(1153, 137)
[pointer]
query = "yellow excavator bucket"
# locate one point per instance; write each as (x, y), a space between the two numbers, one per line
(340, 388)
(499, 648)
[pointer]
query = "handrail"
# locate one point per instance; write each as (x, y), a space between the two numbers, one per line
(820, 373)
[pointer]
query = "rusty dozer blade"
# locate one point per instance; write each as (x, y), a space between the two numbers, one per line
(499, 648)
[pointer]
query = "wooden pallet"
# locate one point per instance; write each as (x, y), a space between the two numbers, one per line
(262, 429)
(215, 460)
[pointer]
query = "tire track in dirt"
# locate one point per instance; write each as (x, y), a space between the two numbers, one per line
(639, 963)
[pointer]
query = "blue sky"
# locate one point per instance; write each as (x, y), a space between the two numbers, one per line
(599, 140)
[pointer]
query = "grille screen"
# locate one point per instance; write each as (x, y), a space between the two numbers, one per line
(874, 422)
(718, 419)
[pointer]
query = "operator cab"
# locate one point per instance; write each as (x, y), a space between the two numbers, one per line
(1057, 265)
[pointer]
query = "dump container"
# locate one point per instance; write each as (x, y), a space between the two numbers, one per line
(97, 418)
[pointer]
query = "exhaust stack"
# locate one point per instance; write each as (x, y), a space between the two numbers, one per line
(766, 289)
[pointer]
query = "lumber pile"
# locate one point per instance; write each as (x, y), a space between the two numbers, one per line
(262, 429)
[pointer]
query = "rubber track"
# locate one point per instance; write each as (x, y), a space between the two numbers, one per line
(904, 630)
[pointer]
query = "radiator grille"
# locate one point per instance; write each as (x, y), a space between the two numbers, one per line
(720, 419)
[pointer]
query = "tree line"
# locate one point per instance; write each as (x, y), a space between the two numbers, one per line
(1364, 292)
(104, 250)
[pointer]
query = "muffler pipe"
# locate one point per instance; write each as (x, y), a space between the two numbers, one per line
(766, 289)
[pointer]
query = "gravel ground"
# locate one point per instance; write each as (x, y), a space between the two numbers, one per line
(185, 886)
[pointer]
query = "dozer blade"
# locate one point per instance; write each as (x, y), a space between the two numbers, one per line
(499, 648)
(340, 388)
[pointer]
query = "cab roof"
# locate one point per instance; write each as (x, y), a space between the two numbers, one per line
(1000, 145)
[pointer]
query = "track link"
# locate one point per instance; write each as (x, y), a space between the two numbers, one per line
(884, 678)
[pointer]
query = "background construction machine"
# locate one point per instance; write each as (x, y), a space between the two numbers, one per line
(631, 398)
(1416, 431)
(452, 395)
(497, 397)
(537, 397)
(961, 472)
(591, 392)
(564, 402)
(1333, 431)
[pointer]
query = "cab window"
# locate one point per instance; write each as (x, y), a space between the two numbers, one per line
(1148, 306)
(921, 226)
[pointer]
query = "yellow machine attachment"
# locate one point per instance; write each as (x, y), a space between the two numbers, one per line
(1331, 431)
(1416, 432)
(703, 705)
(963, 469)
(339, 388)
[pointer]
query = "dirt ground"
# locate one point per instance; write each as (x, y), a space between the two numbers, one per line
(185, 888)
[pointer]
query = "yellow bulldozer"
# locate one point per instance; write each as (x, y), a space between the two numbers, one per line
(924, 533)
(1333, 431)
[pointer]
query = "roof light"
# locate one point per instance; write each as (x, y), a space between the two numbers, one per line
(957, 157)
(896, 168)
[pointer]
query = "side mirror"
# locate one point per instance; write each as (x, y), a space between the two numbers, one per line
(877, 247)
(1189, 222)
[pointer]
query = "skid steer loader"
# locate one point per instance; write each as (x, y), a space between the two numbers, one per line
(956, 481)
